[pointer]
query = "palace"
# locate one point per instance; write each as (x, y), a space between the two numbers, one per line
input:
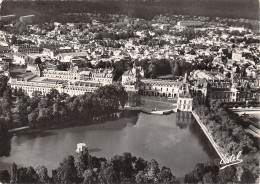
(95, 76)
(164, 88)
(72, 82)
(44, 85)
(131, 76)
(185, 100)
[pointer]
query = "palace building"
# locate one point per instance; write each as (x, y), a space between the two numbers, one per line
(185, 100)
(44, 85)
(164, 88)
(103, 77)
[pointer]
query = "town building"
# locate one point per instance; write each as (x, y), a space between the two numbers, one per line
(223, 94)
(20, 59)
(236, 55)
(26, 48)
(189, 23)
(4, 49)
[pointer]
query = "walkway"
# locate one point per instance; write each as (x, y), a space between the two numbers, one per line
(18, 129)
(214, 144)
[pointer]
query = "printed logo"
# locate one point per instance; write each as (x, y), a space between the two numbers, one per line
(230, 160)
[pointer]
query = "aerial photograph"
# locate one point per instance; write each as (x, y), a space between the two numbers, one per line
(129, 91)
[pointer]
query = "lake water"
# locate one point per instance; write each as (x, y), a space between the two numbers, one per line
(177, 143)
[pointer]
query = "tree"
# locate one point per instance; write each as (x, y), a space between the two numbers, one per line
(89, 177)
(247, 176)
(177, 70)
(66, 172)
(140, 164)
(208, 178)
(7, 95)
(14, 173)
(123, 95)
(189, 178)
(22, 111)
(83, 162)
(141, 177)
(3, 84)
(37, 61)
(31, 176)
(32, 117)
(53, 94)
(4, 176)
(227, 175)
(214, 105)
(153, 171)
(107, 174)
(42, 173)
(37, 94)
(198, 172)
(13, 40)
(166, 176)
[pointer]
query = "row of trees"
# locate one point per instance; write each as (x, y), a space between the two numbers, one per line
(228, 132)
(209, 173)
(114, 36)
(88, 169)
(159, 67)
(5, 107)
(156, 67)
(58, 109)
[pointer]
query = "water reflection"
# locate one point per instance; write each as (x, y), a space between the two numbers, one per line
(5, 147)
(203, 140)
(174, 140)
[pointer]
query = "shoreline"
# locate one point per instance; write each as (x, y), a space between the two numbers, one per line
(32, 130)
(77, 123)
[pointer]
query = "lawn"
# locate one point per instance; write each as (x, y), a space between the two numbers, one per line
(148, 104)
(19, 72)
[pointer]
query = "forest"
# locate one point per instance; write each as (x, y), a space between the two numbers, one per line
(212, 8)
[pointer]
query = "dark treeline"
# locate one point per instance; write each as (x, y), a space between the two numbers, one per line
(158, 67)
(87, 169)
(55, 109)
(5, 106)
(141, 9)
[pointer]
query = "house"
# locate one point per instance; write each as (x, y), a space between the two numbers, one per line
(20, 59)
(26, 48)
(4, 49)
(130, 76)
